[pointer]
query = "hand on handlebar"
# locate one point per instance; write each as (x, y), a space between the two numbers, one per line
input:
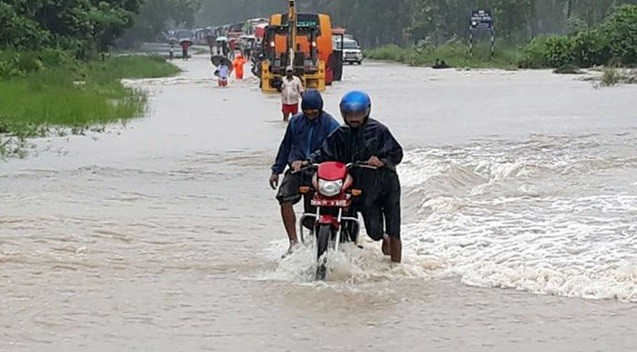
(301, 165)
(296, 165)
(374, 161)
(361, 164)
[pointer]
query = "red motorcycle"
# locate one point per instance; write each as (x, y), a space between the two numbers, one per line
(333, 221)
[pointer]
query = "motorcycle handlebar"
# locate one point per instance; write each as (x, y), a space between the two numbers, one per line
(361, 164)
(305, 167)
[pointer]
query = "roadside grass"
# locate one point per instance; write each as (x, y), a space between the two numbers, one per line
(74, 95)
(455, 54)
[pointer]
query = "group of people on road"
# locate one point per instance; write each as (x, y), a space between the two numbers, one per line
(223, 70)
(314, 136)
(185, 45)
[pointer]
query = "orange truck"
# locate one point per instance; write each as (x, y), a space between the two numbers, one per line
(302, 41)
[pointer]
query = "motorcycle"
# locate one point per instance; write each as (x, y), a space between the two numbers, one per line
(333, 221)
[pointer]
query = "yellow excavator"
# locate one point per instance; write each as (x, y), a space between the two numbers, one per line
(301, 41)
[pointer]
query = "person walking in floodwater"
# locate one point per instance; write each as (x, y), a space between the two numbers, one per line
(291, 91)
(184, 49)
(238, 63)
(223, 73)
(304, 134)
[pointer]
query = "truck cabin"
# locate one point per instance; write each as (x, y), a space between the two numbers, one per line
(276, 42)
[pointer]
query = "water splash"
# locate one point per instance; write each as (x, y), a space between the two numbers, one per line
(549, 215)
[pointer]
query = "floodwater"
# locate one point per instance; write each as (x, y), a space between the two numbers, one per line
(519, 226)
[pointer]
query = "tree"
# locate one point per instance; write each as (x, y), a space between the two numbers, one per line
(156, 16)
(82, 26)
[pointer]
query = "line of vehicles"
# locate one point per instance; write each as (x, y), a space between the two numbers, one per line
(304, 41)
(307, 43)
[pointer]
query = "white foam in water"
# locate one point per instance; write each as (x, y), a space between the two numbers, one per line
(549, 215)
(552, 216)
(350, 265)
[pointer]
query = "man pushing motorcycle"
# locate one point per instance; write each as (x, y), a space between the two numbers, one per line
(365, 139)
(306, 131)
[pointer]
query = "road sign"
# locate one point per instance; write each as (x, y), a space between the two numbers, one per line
(481, 20)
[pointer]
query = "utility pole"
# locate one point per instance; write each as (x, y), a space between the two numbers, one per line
(292, 30)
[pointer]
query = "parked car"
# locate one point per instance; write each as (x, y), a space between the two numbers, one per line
(351, 50)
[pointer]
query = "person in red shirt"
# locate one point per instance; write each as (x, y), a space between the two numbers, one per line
(184, 49)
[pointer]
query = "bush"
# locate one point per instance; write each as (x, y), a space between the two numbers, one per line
(611, 77)
(560, 51)
(591, 48)
(548, 51)
(615, 42)
(575, 25)
(21, 63)
(535, 54)
(621, 31)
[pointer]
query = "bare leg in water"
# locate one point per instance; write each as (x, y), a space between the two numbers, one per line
(289, 221)
(393, 246)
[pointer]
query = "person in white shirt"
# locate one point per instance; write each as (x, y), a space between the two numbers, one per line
(224, 72)
(291, 91)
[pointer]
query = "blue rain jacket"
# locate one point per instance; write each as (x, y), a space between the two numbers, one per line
(304, 136)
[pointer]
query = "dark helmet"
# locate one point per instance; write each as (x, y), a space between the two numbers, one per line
(312, 100)
(355, 101)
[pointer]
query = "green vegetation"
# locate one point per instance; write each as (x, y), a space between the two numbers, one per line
(405, 22)
(82, 27)
(455, 54)
(611, 77)
(132, 67)
(45, 90)
(72, 93)
(614, 42)
(55, 70)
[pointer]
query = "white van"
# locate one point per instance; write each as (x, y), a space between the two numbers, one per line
(351, 50)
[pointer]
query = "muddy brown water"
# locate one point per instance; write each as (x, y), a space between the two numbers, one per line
(520, 213)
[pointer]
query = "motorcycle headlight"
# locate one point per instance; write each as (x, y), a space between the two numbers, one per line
(330, 188)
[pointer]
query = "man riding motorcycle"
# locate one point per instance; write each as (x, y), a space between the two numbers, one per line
(365, 139)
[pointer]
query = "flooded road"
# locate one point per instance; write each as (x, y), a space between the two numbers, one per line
(520, 224)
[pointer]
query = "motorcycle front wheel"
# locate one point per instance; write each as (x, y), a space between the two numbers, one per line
(322, 240)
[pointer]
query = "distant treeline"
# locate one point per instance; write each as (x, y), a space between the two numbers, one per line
(404, 22)
(87, 27)
(611, 43)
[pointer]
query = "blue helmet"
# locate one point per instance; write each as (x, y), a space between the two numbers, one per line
(312, 100)
(355, 101)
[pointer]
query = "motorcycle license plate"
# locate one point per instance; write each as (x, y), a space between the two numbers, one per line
(329, 202)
